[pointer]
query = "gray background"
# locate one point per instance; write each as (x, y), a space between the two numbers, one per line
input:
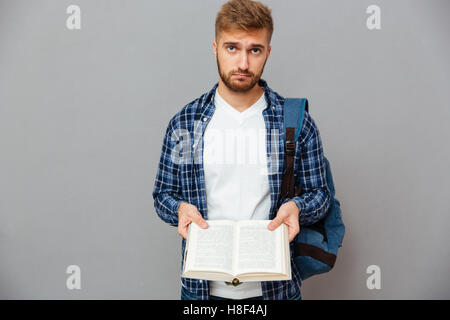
(83, 114)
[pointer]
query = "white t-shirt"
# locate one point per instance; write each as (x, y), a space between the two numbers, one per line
(236, 180)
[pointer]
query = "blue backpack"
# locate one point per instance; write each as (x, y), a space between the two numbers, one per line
(316, 246)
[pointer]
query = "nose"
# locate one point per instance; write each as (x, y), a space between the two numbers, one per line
(243, 60)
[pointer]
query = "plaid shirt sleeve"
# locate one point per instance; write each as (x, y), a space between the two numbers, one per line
(310, 173)
(167, 189)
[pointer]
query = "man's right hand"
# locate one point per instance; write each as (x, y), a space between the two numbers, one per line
(188, 213)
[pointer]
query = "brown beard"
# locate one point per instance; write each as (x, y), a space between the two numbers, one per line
(238, 85)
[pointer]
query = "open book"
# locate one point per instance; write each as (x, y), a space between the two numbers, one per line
(237, 251)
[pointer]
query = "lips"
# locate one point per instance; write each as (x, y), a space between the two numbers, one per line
(239, 75)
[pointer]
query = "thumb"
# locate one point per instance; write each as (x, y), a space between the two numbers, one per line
(275, 223)
(198, 220)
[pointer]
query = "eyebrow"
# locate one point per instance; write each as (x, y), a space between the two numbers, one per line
(254, 45)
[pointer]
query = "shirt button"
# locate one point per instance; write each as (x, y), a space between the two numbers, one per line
(205, 118)
(273, 108)
(201, 281)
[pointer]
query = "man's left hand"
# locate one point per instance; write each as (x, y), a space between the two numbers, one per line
(287, 214)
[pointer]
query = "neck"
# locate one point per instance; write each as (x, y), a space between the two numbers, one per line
(241, 101)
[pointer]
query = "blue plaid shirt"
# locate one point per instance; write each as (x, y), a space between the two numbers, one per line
(184, 180)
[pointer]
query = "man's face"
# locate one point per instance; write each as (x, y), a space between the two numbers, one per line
(241, 56)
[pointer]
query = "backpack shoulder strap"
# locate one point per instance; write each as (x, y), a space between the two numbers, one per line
(294, 112)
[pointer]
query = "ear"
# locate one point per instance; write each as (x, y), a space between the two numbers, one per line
(268, 51)
(215, 48)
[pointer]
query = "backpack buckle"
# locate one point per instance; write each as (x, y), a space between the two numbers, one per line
(289, 147)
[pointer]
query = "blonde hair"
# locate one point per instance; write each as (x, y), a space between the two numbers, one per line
(244, 15)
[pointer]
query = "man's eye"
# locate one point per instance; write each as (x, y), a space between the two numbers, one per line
(230, 48)
(255, 50)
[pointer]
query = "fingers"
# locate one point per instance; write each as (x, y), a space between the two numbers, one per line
(290, 219)
(187, 214)
(293, 227)
(293, 230)
(183, 225)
